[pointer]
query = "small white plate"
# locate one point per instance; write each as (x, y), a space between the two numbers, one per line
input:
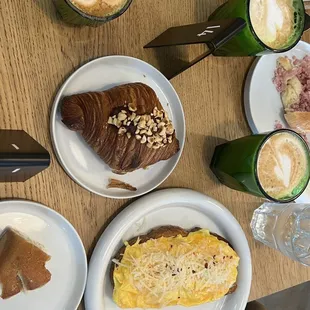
(68, 264)
(262, 102)
(180, 207)
(79, 160)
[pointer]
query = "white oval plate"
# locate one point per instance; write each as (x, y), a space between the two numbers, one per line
(79, 160)
(262, 102)
(181, 207)
(68, 264)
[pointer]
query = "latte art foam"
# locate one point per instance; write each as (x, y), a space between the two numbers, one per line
(282, 166)
(273, 21)
(99, 8)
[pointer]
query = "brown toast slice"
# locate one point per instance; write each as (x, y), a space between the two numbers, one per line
(22, 264)
(164, 231)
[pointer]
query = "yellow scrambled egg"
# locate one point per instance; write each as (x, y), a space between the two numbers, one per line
(178, 270)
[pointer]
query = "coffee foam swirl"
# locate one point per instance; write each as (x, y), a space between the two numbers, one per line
(85, 2)
(93, 2)
(282, 165)
(273, 21)
(99, 8)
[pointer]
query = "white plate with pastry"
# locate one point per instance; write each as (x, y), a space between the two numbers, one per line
(42, 259)
(275, 94)
(175, 221)
(117, 127)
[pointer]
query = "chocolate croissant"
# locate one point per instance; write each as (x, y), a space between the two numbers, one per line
(126, 126)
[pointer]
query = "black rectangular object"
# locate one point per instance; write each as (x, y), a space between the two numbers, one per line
(212, 33)
(21, 157)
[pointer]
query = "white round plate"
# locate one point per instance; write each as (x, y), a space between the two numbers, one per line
(180, 207)
(68, 264)
(79, 161)
(262, 102)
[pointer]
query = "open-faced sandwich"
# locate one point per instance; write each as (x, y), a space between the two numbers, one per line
(172, 266)
(126, 126)
(292, 80)
(22, 264)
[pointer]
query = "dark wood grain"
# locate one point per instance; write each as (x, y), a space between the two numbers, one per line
(38, 52)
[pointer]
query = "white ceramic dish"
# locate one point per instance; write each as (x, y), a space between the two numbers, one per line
(262, 102)
(181, 207)
(68, 264)
(79, 160)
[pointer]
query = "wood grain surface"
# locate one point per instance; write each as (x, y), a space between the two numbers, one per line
(38, 52)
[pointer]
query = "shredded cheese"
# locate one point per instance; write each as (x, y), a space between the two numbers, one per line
(178, 267)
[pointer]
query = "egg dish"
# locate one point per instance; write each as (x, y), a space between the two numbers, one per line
(172, 266)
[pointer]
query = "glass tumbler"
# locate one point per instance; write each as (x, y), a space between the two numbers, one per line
(246, 42)
(285, 227)
(73, 15)
(235, 165)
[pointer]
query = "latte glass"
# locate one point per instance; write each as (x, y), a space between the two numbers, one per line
(71, 14)
(247, 43)
(235, 165)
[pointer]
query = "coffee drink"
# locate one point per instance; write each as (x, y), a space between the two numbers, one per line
(99, 8)
(274, 22)
(283, 166)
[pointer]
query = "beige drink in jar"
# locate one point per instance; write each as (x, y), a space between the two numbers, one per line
(273, 21)
(275, 166)
(91, 12)
(282, 166)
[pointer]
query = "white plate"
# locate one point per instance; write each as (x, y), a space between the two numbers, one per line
(262, 102)
(181, 207)
(79, 160)
(68, 264)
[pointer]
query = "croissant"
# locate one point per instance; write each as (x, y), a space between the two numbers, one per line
(125, 125)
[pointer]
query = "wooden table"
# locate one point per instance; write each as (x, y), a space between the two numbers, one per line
(38, 52)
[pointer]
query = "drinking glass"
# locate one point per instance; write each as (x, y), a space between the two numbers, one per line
(235, 164)
(71, 14)
(285, 227)
(246, 42)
